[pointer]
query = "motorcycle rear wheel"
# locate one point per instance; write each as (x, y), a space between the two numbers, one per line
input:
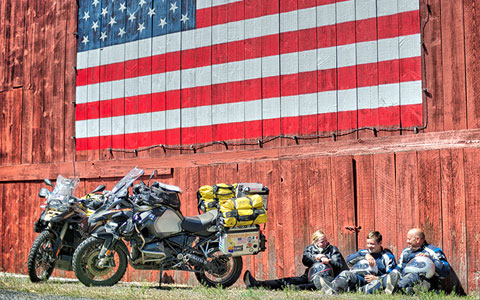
(85, 264)
(41, 261)
(225, 273)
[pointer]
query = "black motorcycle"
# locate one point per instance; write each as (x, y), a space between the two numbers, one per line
(62, 226)
(161, 238)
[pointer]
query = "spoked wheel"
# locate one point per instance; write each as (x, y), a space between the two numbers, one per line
(224, 270)
(86, 264)
(41, 261)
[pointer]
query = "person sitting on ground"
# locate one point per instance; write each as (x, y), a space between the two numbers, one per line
(419, 264)
(319, 251)
(367, 265)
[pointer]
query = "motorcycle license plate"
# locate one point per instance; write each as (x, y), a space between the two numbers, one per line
(240, 243)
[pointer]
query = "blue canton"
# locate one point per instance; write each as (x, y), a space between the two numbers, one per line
(103, 23)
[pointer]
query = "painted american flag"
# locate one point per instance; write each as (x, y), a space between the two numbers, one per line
(182, 72)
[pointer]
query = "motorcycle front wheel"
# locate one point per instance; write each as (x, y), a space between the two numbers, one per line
(41, 261)
(224, 271)
(87, 270)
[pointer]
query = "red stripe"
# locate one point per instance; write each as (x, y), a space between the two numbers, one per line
(283, 43)
(411, 116)
(409, 68)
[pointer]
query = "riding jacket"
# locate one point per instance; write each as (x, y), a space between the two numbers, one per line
(337, 261)
(442, 267)
(384, 259)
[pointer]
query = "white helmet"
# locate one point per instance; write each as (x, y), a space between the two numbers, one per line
(362, 268)
(421, 265)
(319, 269)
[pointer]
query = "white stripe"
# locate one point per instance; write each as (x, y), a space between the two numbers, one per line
(210, 3)
(204, 115)
(289, 21)
(388, 49)
(327, 103)
(325, 14)
(253, 110)
(367, 97)
(307, 104)
(307, 18)
(289, 106)
(365, 9)
(345, 11)
(388, 7)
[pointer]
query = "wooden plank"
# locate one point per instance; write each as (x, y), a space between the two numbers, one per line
(18, 30)
(301, 211)
(385, 199)
(454, 211)
(471, 15)
(429, 195)
(11, 129)
(48, 121)
(286, 212)
(38, 72)
(289, 85)
(70, 77)
(347, 103)
(236, 73)
(406, 188)
(319, 198)
(433, 79)
(268, 173)
(3, 153)
(60, 13)
(270, 84)
(365, 184)
(27, 126)
(368, 100)
(344, 199)
(472, 196)
(2, 226)
(453, 65)
(3, 50)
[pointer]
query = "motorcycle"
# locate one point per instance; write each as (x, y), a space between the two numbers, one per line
(62, 226)
(161, 238)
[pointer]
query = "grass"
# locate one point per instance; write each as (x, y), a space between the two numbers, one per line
(149, 290)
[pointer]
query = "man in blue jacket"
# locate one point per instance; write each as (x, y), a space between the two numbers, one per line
(399, 280)
(378, 262)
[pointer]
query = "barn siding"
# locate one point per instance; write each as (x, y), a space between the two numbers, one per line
(321, 184)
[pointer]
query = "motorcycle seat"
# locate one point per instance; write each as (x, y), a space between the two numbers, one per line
(201, 222)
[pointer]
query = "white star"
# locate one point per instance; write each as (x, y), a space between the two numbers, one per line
(173, 6)
(141, 3)
(85, 39)
(86, 16)
(163, 22)
(122, 7)
(95, 3)
(184, 18)
(104, 12)
(132, 17)
(104, 36)
(151, 12)
(95, 26)
(141, 27)
(122, 32)
(112, 21)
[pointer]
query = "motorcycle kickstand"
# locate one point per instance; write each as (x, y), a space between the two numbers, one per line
(161, 276)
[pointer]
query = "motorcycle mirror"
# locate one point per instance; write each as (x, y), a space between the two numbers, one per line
(48, 182)
(154, 173)
(43, 193)
(99, 188)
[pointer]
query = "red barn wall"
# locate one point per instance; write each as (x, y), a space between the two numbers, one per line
(390, 182)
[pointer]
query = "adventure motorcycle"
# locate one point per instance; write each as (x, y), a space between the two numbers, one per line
(62, 226)
(161, 238)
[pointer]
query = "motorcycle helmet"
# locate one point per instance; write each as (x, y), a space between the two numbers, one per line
(319, 269)
(421, 265)
(362, 268)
